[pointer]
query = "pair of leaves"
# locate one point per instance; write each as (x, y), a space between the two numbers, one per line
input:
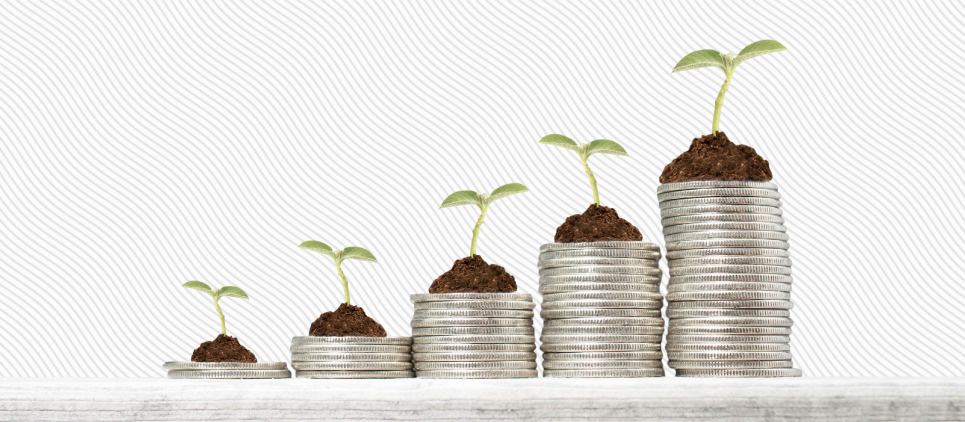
(727, 62)
(339, 255)
(226, 291)
(482, 200)
(599, 146)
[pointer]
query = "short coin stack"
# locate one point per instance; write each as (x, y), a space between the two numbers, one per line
(729, 296)
(601, 309)
(352, 357)
(474, 335)
(226, 370)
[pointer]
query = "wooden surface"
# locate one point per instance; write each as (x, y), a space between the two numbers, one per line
(557, 399)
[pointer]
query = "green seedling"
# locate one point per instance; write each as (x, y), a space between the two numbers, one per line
(599, 146)
(339, 256)
(481, 200)
(728, 63)
(216, 295)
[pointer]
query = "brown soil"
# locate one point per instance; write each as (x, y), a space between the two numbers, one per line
(347, 320)
(596, 223)
(714, 157)
(473, 274)
(222, 349)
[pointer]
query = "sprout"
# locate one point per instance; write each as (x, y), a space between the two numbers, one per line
(602, 146)
(216, 295)
(481, 200)
(727, 63)
(340, 255)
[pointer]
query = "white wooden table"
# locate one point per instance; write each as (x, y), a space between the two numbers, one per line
(557, 399)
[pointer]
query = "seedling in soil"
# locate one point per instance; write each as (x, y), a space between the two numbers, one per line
(339, 256)
(216, 295)
(728, 63)
(599, 146)
(483, 201)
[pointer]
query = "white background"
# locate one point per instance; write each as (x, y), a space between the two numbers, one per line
(143, 144)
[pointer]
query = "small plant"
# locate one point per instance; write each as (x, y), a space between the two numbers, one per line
(599, 146)
(481, 200)
(728, 63)
(339, 256)
(216, 295)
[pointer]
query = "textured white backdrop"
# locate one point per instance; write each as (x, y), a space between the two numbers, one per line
(146, 143)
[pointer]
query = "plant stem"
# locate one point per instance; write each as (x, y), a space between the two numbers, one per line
(719, 104)
(475, 230)
(341, 275)
(217, 307)
(589, 173)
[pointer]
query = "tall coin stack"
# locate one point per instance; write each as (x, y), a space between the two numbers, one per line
(474, 335)
(226, 370)
(601, 309)
(729, 296)
(352, 357)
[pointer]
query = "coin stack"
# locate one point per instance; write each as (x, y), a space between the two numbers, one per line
(226, 370)
(729, 296)
(601, 309)
(352, 357)
(474, 335)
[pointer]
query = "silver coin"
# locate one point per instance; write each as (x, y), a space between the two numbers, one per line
(726, 234)
(584, 261)
(472, 313)
(703, 287)
(724, 338)
(730, 364)
(603, 364)
(479, 374)
(728, 295)
(603, 356)
(730, 260)
(444, 297)
(603, 373)
(354, 374)
(604, 321)
(548, 289)
(603, 329)
(598, 347)
(727, 252)
(674, 355)
(727, 244)
(472, 322)
(602, 304)
(731, 278)
(600, 269)
(719, 209)
(733, 304)
(313, 340)
(606, 244)
(597, 312)
(475, 304)
(718, 192)
(474, 339)
(730, 269)
(739, 373)
(599, 338)
(351, 357)
(722, 218)
(454, 331)
(728, 347)
(352, 366)
(455, 366)
(218, 374)
(239, 366)
(601, 253)
(718, 312)
(350, 348)
(705, 227)
(720, 200)
(646, 280)
(473, 356)
(592, 295)
(714, 184)
(729, 321)
(473, 348)
(722, 329)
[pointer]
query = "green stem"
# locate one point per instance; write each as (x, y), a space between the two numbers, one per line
(589, 173)
(341, 275)
(719, 104)
(475, 230)
(217, 307)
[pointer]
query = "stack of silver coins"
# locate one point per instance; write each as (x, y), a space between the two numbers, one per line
(601, 309)
(474, 335)
(352, 357)
(226, 370)
(729, 296)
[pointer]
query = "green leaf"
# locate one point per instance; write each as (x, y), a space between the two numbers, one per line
(560, 141)
(700, 58)
(314, 245)
(605, 146)
(463, 197)
(231, 291)
(759, 48)
(357, 252)
(507, 190)
(198, 285)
